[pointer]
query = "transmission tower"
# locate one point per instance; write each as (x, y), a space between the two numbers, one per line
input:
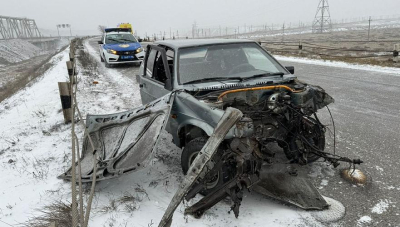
(322, 20)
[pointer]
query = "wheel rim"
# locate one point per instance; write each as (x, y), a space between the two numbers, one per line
(214, 180)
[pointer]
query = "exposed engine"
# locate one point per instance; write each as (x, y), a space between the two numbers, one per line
(282, 120)
(276, 120)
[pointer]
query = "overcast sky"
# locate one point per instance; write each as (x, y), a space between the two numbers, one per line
(160, 15)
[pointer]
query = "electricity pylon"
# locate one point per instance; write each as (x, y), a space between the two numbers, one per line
(322, 20)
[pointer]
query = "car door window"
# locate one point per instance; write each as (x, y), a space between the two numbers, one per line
(159, 73)
(170, 58)
(150, 63)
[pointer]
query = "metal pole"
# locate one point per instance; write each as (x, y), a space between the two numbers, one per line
(322, 18)
(58, 32)
(369, 26)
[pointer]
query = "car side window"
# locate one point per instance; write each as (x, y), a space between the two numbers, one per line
(159, 73)
(170, 58)
(150, 63)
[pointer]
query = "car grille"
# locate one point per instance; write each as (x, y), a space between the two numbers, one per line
(126, 53)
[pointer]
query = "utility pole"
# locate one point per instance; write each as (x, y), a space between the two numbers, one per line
(369, 26)
(58, 31)
(283, 32)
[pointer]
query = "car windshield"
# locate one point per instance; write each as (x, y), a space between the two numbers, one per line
(238, 60)
(120, 38)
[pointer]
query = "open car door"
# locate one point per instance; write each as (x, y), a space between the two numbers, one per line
(123, 141)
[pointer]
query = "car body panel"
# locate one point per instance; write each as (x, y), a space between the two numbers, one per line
(124, 141)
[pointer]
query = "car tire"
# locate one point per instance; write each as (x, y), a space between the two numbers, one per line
(101, 59)
(189, 153)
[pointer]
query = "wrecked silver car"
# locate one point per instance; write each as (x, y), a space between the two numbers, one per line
(243, 121)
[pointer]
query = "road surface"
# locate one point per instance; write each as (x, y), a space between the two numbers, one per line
(367, 117)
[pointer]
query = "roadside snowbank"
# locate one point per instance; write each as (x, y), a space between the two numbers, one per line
(15, 50)
(390, 70)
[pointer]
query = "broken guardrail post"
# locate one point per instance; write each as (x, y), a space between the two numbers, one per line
(396, 53)
(65, 95)
(227, 121)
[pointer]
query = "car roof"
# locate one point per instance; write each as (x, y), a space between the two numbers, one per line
(180, 43)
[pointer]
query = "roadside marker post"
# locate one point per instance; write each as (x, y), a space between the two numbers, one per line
(71, 71)
(396, 53)
(65, 95)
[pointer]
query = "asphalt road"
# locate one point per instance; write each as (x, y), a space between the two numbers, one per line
(367, 118)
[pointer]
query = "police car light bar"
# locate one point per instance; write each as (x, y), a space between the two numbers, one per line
(117, 30)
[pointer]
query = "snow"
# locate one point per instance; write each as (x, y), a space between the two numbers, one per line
(334, 213)
(380, 207)
(364, 220)
(15, 50)
(35, 148)
(389, 70)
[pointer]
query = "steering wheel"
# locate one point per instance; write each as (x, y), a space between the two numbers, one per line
(241, 68)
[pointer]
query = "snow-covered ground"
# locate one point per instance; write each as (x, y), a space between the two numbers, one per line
(35, 148)
(15, 50)
(373, 68)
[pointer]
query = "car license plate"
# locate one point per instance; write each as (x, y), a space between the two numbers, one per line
(126, 57)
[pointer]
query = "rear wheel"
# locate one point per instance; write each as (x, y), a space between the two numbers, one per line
(189, 154)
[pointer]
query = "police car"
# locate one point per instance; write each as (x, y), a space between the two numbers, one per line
(119, 46)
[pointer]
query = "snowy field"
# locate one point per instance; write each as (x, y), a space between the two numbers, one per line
(35, 148)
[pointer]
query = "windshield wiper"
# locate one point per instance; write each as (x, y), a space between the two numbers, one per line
(264, 74)
(110, 39)
(129, 40)
(214, 79)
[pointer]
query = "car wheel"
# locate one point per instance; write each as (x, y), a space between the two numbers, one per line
(189, 153)
(101, 59)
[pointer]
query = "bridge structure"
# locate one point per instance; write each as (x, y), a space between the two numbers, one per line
(17, 27)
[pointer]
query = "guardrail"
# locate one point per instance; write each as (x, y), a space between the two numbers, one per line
(72, 114)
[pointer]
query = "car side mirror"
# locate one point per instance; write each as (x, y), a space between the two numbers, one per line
(290, 69)
(168, 84)
(100, 42)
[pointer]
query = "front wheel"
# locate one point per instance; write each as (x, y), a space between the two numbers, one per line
(189, 153)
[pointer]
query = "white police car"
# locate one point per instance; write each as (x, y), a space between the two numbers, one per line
(119, 46)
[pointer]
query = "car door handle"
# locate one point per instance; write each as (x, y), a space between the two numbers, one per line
(141, 85)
